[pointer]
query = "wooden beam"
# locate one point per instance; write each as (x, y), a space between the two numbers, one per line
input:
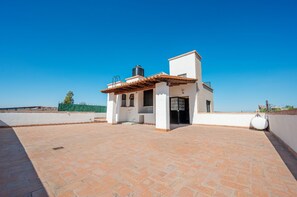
(134, 90)
(149, 83)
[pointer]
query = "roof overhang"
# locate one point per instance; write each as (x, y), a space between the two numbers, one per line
(148, 83)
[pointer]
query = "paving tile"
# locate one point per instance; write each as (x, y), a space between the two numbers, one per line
(185, 192)
(135, 160)
(124, 190)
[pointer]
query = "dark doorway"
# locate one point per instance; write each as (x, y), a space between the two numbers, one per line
(179, 110)
(207, 106)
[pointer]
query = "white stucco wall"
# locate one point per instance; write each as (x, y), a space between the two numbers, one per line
(188, 63)
(162, 106)
(197, 98)
(118, 83)
(189, 91)
(100, 115)
(285, 127)
(132, 114)
(145, 109)
(224, 119)
(203, 96)
(111, 101)
(15, 119)
(134, 78)
(197, 104)
(129, 113)
(149, 118)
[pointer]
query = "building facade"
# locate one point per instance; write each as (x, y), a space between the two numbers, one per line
(161, 99)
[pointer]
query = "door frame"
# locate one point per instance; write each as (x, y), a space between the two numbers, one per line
(187, 102)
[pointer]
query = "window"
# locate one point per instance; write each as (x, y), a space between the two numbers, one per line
(123, 100)
(131, 100)
(207, 106)
(148, 98)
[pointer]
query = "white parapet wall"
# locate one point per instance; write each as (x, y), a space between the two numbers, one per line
(224, 119)
(100, 115)
(285, 127)
(17, 119)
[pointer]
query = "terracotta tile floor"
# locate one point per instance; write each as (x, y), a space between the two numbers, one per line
(137, 160)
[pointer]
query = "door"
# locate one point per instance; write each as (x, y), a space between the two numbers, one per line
(184, 114)
(179, 110)
(207, 106)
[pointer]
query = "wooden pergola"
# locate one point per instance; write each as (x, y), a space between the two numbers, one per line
(148, 83)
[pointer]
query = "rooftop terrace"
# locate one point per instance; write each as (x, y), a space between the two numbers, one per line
(137, 160)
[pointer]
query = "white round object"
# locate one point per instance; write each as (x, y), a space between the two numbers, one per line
(259, 123)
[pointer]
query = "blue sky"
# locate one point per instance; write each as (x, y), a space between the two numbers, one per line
(248, 48)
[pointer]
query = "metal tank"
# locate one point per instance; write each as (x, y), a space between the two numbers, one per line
(138, 70)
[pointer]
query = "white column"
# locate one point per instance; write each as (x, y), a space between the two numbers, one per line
(110, 113)
(118, 99)
(162, 106)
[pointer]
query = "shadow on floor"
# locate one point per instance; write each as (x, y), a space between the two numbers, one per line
(176, 126)
(288, 158)
(17, 174)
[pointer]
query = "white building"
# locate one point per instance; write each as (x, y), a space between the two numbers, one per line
(161, 99)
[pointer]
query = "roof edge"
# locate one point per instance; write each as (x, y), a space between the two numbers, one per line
(154, 79)
(134, 77)
(185, 54)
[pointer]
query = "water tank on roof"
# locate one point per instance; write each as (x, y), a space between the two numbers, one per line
(138, 70)
(259, 123)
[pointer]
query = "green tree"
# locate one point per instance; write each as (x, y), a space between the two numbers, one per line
(289, 107)
(262, 110)
(69, 98)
